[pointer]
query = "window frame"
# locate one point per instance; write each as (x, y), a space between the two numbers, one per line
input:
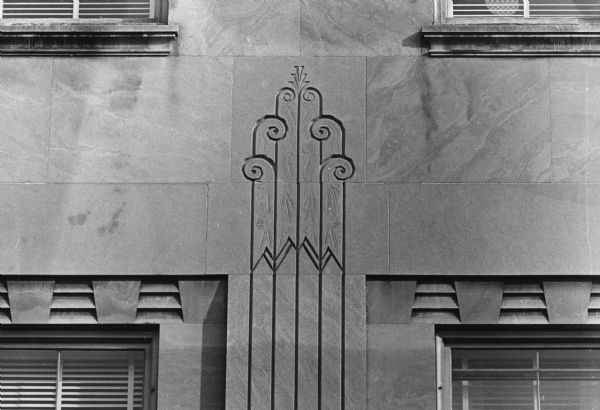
(91, 337)
(443, 15)
(534, 337)
(161, 16)
(90, 37)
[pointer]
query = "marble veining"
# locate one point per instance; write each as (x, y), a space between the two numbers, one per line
(458, 120)
(355, 343)
(237, 342)
(363, 27)
(25, 87)
(141, 120)
(401, 367)
(575, 96)
(236, 27)
(161, 229)
(180, 366)
(116, 301)
(367, 229)
(494, 228)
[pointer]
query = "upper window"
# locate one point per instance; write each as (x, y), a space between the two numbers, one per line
(86, 27)
(523, 11)
(512, 28)
(126, 10)
(549, 371)
(58, 370)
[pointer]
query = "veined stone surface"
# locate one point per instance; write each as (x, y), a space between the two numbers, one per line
(401, 367)
(458, 120)
(25, 88)
(103, 229)
(191, 366)
(238, 343)
(575, 96)
(30, 301)
(493, 228)
(116, 301)
(140, 120)
(363, 27)
(229, 224)
(367, 229)
(237, 27)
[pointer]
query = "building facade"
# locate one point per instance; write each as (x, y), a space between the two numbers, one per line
(296, 204)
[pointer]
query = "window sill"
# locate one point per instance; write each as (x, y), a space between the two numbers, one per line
(87, 39)
(512, 40)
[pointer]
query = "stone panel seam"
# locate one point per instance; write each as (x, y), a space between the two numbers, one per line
(233, 62)
(365, 124)
(550, 120)
(205, 250)
(389, 203)
(52, 67)
(300, 4)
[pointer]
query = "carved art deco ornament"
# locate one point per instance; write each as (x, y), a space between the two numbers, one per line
(298, 168)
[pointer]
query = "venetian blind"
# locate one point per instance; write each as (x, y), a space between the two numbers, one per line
(526, 8)
(77, 9)
(525, 379)
(71, 379)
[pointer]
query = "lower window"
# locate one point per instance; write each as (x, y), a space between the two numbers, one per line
(519, 371)
(75, 369)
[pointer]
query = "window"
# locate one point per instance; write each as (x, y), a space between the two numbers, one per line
(86, 27)
(76, 370)
(514, 28)
(521, 11)
(519, 371)
(134, 10)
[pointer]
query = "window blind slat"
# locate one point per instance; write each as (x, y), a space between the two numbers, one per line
(70, 379)
(27, 379)
(517, 8)
(140, 9)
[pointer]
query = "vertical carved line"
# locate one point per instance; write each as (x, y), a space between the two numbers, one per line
(298, 247)
(265, 162)
(320, 319)
(251, 296)
(274, 282)
(343, 263)
(343, 313)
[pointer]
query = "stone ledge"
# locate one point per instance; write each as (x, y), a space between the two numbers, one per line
(512, 40)
(74, 39)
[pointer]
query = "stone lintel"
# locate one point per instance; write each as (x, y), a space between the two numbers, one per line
(512, 40)
(89, 39)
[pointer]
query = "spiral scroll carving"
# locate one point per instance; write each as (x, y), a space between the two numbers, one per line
(259, 168)
(286, 95)
(272, 127)
(326, 126)
(311, 94)
(339, 167)
(294, 148)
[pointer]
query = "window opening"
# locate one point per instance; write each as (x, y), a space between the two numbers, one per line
(144, 10)
(520, 374)
(57, 373)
